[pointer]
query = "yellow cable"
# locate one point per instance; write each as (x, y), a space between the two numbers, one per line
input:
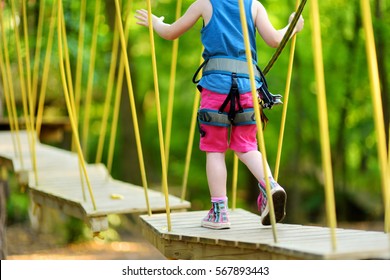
(323, 119)
(22, 84)
(190, 140)
(37, 56)
(378, 109)
(18, 146)
(6, 92)
(45, 72)
(115, 116)
(88, 97)
(118, 95)
(80, 56)
(68, 103)
(260, 135)
(30, 101)
(171, 92)
(132, 101)
(285, 103)
(234, 181)
(109, 91)
(159, 119)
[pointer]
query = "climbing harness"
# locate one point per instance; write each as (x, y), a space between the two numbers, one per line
(236, 68)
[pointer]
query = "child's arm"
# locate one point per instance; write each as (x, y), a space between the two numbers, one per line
(265, 28)
(176, 29)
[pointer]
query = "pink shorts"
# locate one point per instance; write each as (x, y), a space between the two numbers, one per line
(242, 138)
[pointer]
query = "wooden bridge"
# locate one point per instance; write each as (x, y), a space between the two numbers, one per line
(60, 185)
(60, 188)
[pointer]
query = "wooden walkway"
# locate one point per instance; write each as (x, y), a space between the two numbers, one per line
(248, 239)
(59, 185)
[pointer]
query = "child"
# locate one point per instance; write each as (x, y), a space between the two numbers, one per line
(225, 81)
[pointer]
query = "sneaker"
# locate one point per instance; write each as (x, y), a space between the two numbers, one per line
(279, 198)
(218, 217)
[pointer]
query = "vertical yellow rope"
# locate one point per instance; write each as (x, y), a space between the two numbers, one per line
(118, 96)
(115, 117)
(260, 135)
(46, 68)
(190, 140)
(13, 112)
(132, 101)
(323, 118)
(378, 109)
(88, 98)
(29, 94)
(109, 91)
(37, 56)
(80, 56)
(159, 119)
(285, 102)
(22, 82)
(68, 102)
(171, 92)
(117, 101)
(234, 182)
(6, 92)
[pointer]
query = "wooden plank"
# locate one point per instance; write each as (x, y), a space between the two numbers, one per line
(253, 241)
(58, 184)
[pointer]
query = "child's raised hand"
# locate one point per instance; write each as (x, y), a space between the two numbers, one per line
(300, 23)
(142, 16)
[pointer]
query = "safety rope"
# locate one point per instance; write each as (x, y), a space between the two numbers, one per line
(285, 102)
(60, 33)
(109, 91)
(159, 119)
(45, 71)
(377, 103)
(323, 123)
(80, 57)
(132, 101)
(191, 137)
(91, 72)
(24, 93)
(260, 135)
(171, 91)
(117, 101)
(286, 37)
(234, 181)
(37, 56)
(118, 93)
(8, 83)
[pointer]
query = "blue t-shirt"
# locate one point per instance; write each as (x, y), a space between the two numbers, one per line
(223, 37)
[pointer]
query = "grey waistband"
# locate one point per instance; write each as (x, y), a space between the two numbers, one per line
(229, 65)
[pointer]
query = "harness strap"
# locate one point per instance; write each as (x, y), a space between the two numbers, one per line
(229, 65)
(225, 66)
(233, 97)
(215, 118)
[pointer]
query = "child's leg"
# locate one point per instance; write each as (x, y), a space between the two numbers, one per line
(218, 217)
(253, 160)
(216, 174)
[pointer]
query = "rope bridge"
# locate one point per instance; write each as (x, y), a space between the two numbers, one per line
(64, 179)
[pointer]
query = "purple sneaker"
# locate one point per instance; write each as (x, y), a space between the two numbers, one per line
(279, 198)
(218, 216)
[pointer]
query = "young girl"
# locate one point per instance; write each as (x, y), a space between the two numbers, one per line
(226, 82)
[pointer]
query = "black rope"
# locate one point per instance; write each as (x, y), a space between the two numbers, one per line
(285, 38)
